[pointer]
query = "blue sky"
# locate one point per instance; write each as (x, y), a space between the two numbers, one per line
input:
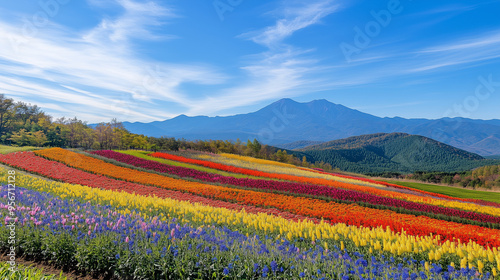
(146, 61)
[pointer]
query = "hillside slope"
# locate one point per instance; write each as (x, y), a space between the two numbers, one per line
(391, 152)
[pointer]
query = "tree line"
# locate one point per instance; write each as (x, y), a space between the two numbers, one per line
(23, 124)
(487, 177)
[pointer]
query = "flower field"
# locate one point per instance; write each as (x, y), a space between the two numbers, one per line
(296, 188)
(132, 215)
(144, 155)
(454, 203)
(249, 166)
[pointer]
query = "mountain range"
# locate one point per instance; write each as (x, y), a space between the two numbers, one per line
(286, 121)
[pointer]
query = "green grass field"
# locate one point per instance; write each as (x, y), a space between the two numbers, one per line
(451, 191)
(26, 273)
(4, 149)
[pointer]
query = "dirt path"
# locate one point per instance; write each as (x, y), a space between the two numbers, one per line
(48, 269)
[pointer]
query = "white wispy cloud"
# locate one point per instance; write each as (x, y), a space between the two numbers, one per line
(135, 22)
(296, 17)
(393, 61)
(69, 102)
(485, 40)
(59, 64)
(464, 51)
(285, 77)
(454, 8)
(98, 74)
(282, 70)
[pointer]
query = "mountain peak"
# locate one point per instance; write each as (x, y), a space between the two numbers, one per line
(181, 116)
(291, 101)
(317, 103)
(285, 101)
(321, 101)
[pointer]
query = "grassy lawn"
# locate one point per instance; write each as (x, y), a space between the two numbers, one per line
(4, 149)
(451, 191)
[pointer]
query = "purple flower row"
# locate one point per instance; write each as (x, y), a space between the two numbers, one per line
(105, 242)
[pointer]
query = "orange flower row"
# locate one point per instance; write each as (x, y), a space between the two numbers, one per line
(337, 213)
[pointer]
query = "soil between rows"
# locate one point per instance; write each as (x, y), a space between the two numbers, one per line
(48, 269)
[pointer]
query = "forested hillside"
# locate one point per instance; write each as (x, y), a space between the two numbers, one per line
(482, 177)
(399, 152)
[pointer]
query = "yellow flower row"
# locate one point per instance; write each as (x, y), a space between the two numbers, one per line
(257, 160)
(371, 240)
(240, 161)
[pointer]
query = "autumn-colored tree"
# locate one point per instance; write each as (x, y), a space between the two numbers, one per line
(28, 138)
(140, 142)
(6, 114)
(304, 161)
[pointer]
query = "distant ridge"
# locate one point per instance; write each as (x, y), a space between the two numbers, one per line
(383, 139)
(298, 144)
(286, 121)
